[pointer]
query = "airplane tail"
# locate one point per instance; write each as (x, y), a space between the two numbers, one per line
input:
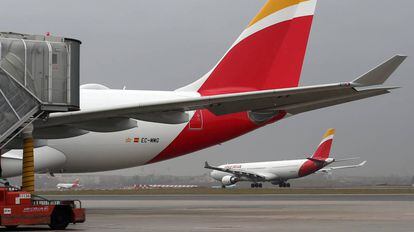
(268, 54)
(324, 148)
(76, 182)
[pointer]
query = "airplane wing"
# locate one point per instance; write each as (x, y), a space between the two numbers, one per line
(291, 100)
(249, 175)
(329, 169)
(12, 156)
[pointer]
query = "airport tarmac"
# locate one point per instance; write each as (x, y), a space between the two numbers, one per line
(203, 213)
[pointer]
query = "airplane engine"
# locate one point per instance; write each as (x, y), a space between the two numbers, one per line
(46, 160)
(229, 180)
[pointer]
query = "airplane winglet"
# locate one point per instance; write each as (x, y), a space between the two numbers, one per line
(381, 73)
(206, 165)
(362, 164)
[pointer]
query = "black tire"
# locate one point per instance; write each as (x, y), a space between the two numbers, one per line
(60, 219)
(280, 185)
(288, 185)
(252, 185)
(260, 185)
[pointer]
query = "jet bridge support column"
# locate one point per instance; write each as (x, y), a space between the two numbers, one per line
(28, 177)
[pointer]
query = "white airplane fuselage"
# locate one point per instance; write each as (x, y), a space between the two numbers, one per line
(65, 186)
(147, 143)
(116, 150)
(278, 172)
(274, 171)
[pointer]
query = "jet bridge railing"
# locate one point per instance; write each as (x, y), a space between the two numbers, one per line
(16, 105)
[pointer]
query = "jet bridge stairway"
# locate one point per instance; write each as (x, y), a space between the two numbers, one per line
(18, 108)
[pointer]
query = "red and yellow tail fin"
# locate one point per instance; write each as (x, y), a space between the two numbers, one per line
(268, 54)
(324, 148)
(272, 7)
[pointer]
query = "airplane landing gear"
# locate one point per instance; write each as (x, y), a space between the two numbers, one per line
(284, 185)
(256, 185)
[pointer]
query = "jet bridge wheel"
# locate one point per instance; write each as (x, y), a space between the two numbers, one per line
(60, 218)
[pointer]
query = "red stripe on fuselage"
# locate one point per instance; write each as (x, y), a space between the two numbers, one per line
(309, 167)
(216, 130)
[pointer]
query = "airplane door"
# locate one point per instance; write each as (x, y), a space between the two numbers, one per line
(196, 123)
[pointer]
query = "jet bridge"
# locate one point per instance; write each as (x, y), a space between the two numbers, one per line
(39, 74)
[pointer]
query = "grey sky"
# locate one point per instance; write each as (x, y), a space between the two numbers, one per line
(163, 45)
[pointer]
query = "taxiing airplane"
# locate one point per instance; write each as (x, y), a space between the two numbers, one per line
(254, 84)
(73, 185)
(279, 172)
